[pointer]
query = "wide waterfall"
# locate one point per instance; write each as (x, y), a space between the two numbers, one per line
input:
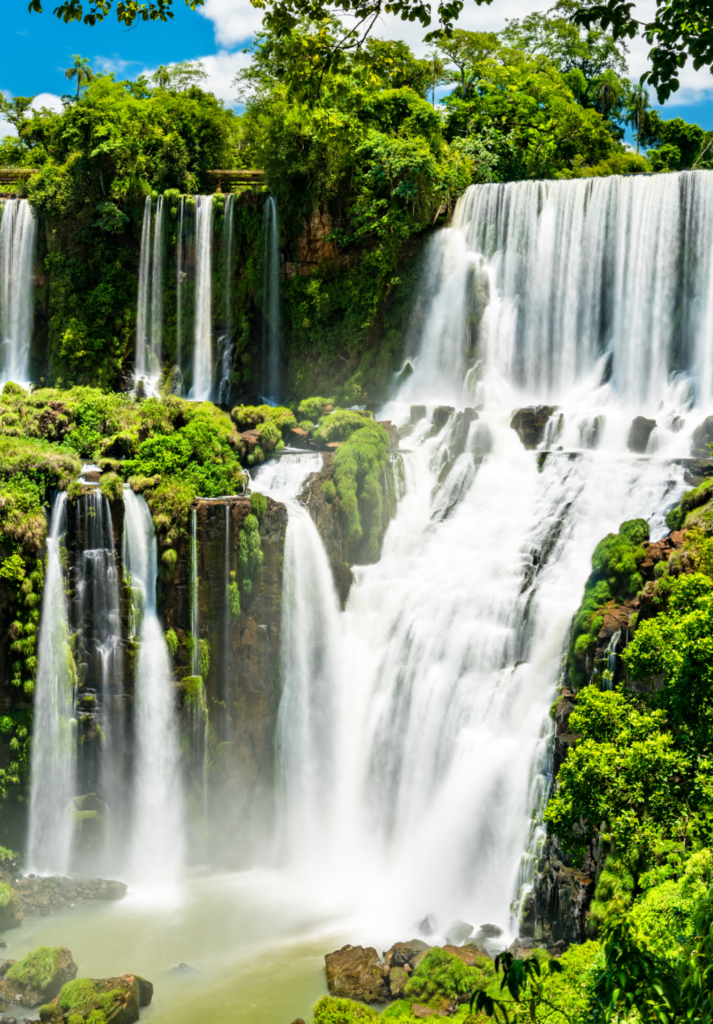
(53, 749)
(202, 337)
(158, 842)
(18, 229)
(271, 376)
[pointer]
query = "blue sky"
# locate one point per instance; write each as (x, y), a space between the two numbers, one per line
(37, 48)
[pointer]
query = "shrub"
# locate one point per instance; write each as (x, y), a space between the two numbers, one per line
(250, 554)
(329, 491)
(339, 425)
(313, 408)
(258, 504)
(172, 642)
(112, 487)
(441, 975)
(359, 478)
(331, 1010)
(6, 894)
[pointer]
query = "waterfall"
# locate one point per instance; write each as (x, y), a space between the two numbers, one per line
(202, 340)
(271, 382)
(226, 362)
(306, 749)
(589, 298)
(158, 839)
(54, 738)
(149, 311)
(180, 277)
(195, 623)
(18, 228)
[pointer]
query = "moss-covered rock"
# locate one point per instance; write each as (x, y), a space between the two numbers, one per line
(39, 976)
(103, 1001)
(11, 913)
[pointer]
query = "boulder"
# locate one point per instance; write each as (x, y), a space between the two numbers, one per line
(417, 413)
(530, 422)
(11, 912)
(409, 953)
(428, 925)
(422, 1012)
(38, 977)
(490, 931)
(639, 434)
(458, 932)
(398, 977)
(468, 954)
(701, 438)
(119, 999)
(440, 417)
(355, 973)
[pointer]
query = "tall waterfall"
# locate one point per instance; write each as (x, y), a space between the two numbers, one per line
(54, 739)
(149, 312)
(450, 649)
(226, 346)
(271, 379)
(158, 840)
(18, 229)
(202, 339)
(306, 751)
(180, 277)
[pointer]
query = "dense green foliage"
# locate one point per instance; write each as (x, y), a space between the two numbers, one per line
(365, 489)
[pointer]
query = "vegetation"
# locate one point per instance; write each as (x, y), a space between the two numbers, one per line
(37, 969)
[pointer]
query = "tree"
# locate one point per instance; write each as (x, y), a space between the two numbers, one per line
(637, 103)
(81, 70)
(161, 76)
(679, 30)
(464, 51)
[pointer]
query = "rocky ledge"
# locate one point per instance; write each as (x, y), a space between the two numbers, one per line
(33, 896)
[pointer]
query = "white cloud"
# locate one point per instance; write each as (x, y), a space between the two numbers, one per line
(221, 68)
(48, 101)
(114, 64)
(234, 21)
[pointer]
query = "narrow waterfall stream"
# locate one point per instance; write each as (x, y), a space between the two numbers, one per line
(271, 382)
(18, 231)
(202, 339)
(149, 313)
(53, 749)
(158, 841)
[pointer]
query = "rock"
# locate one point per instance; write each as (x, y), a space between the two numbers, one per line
(403, 953)
(490, 931)
(458, 932)
(3, 944)
(11, 912)
(82, 997)
(298, 1020)
(38, 976)
(421, 1012)
(530, 422)
(701, 438)
(397, 982)
(183, 969)
(418, 413)
(354, 973)
(468, 954)
(404, 375)
(428, 925)
(4, 1019)
(440, 417)
(391, 430)
(639, 434)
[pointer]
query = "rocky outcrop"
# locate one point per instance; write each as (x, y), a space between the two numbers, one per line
(38, 977)
(531, 422)
(357, 973)
(639, 434)
(562, 894)
(323, 506)
(702, 438)
(43, 896)
(242, 682)
(118, 999)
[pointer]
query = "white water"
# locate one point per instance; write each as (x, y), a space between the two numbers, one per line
(202, 339)
(226, 346)
(271, 376)
(180, 277)
(451, 645)
(18, 230)
(149, 311)
(158, 837)
(54, 737)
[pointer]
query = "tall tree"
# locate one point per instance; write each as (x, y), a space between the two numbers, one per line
(81, 70)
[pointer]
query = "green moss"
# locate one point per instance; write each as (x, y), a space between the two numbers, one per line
(339, 425)
(172, 641)
(250, 555)
(37, 969)
(441, 975)
(360, 466)
(234, 597)
(329, 491)
(258, 504)
(193, 693)
(6, 855)
(314, 408)
(77, 993)
(331, 1010)
(112, 487)
(6, 894)
(204, 657)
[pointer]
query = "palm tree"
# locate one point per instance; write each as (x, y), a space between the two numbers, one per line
(162, 76)
(81, 70)
(637, 103)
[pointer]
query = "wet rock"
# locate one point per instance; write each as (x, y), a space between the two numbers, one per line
(639, 434)
(5, 1019)
(43, 975)
(422, 1012)
(564, 739)
(11, 912)
(406, 954)
(468, 954)
(458, 932)
(398, 977)
(428, 925)
(391, 430)
(183, 969)
(298, 1020)
(563, 893)
(41, 896)
(3, 944)
(701, 438)
(440, 417)
(354, 973)
(404, 375)
(417, 413)
(490, 931)
(530, 423)
(129, 993)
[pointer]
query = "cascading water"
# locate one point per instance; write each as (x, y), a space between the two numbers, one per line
(226, 347)
(271, 377)
(180, 277)
(202, 339)
(54, 740)
(149, 311)
(452, 643)
(310, 645)
(158, 840)
(18, 229)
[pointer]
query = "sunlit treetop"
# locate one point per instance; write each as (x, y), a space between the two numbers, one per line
(680, 28)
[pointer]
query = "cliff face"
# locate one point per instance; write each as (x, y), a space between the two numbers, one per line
(230, 735)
